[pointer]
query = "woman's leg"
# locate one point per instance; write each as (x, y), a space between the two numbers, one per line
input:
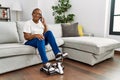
(49, 38)
(40, 44)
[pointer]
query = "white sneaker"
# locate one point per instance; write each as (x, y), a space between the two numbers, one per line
(48, 67)
(60, 56)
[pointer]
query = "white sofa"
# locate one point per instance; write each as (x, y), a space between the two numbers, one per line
(14, 55)
(90, 50)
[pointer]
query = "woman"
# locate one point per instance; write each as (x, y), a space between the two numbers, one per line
(37, 35)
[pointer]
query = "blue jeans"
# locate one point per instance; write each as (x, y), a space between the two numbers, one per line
(40, 44)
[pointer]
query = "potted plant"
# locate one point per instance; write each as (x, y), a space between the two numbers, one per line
(59, 12)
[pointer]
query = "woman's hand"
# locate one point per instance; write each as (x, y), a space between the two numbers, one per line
(39, 36)
(44, 23)
(29, 36)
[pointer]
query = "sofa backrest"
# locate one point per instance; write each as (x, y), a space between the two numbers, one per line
(8, 32)
(56, 29)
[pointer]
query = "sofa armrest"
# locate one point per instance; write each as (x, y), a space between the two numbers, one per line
(89, 34)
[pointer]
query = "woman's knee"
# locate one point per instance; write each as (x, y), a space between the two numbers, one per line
(40, 41)
(49, 31)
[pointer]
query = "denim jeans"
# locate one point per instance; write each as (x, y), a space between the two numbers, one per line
(40, 44)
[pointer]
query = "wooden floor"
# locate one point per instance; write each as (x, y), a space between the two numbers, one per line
(107, 70)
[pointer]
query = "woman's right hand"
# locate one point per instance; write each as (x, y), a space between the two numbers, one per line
(29, 36)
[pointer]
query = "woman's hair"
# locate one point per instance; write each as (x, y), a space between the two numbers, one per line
(35, 10)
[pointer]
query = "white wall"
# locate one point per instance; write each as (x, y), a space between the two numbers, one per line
(28, 6)
(89, 13)
(45, 6)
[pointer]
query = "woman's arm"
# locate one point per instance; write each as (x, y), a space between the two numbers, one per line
(29, 36)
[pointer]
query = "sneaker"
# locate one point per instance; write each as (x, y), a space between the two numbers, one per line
(55, 65)
(59, 68)
(48, 67)
(60, 56)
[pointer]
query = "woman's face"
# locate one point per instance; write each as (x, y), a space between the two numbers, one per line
(37, 14)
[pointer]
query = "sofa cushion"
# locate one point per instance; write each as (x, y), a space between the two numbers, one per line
(56, 29)
(20, 25)
(14, 49)
(70, 30)
(8, 32)
(96, 45)
(80, 30)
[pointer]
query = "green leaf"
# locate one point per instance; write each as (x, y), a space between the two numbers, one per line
(60, 10)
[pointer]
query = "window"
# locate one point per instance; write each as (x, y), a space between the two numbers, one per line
(115, 17)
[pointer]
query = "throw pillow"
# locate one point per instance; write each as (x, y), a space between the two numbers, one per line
(70, 30)
(80, 30)
(20, 25)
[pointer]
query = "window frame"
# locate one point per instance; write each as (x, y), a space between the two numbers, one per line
(111, 32)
